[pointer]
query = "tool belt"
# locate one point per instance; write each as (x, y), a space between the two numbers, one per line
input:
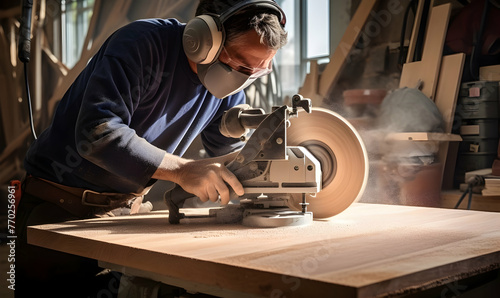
(80, 202)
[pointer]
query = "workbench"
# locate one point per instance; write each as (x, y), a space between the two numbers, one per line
(368, 250)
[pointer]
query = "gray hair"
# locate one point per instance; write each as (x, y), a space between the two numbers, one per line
(264, 22)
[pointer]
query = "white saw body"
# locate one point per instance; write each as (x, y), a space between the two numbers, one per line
(300, 163)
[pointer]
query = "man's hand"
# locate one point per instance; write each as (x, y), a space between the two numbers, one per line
(205, 178)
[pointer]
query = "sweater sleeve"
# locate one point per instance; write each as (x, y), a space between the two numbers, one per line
(102, 131)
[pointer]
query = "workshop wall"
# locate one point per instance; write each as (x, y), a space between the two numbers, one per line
(48, 76)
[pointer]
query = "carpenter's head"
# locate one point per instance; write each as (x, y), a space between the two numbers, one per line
(242, 50)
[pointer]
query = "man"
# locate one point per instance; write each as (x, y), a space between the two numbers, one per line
(128, 118)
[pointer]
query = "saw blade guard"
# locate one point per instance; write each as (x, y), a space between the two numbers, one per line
(342, 155)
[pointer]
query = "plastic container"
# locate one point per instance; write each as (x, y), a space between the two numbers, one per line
(476, 145)
(471, 161)
(481, 90)
(478, 100)
(482, 128)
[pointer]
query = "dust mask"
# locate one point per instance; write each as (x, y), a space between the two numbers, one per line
(221, 80)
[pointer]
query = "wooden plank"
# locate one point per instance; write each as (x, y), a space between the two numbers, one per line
(489, 73)
(427, 70)
(422, 136)
(415, 31)
(340, 57)
(448, 88)
(368, 250)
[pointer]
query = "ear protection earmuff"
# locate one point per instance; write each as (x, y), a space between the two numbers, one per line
(204, 36)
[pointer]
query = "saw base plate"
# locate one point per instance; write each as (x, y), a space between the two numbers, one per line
(268, 218)
(260, 217)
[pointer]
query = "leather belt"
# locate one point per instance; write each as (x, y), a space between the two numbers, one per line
(80, 202)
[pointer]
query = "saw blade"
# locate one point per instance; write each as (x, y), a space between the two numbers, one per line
(343, 157)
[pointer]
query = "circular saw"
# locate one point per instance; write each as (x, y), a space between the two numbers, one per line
(344, 161)
(298, 163)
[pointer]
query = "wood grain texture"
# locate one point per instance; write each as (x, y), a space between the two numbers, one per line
(367, 250)
(447, 90)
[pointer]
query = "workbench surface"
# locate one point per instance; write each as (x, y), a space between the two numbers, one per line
(367, 250)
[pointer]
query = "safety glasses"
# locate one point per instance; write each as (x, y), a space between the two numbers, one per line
(253, 72)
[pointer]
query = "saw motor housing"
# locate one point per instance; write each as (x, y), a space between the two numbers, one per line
(266, 164)
(269, 170)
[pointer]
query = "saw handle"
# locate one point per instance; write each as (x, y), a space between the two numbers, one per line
(299, 101)
(238, 119)
(175, 198)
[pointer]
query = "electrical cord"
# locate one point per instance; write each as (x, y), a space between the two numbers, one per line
(30, 114)
(471, 183)
(24, 50)
(477, 44)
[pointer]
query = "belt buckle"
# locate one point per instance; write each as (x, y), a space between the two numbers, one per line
(84, 199)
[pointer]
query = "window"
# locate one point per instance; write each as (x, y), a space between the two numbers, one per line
(288, 58)
(308, 26)
(75, 19)
(317, 35)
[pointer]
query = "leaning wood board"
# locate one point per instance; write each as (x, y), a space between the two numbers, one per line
(427, 70)
(422, 136)
(415, 30)
(367, 250)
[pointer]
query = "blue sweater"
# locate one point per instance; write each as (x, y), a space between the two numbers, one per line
(136, 99)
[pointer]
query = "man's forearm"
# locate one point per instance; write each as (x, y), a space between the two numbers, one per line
(171, 164)
(169, 168)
